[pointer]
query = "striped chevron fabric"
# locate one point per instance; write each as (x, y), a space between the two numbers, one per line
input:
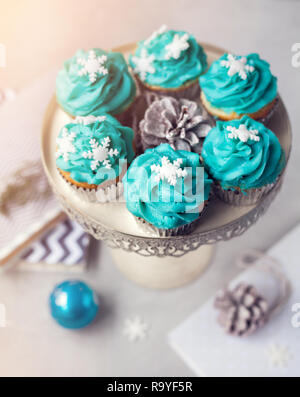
(66, 246)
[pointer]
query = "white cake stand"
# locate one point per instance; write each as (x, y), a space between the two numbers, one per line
(148, 260)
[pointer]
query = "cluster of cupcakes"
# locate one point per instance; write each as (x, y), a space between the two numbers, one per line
(200, 132)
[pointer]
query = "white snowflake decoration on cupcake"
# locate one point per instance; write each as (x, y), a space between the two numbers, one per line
(143, 64)
(100, 153)
(65, 144)
(92, 66)
(243, 133)
(86, 120)
(155, 34)
(237, 65)
(169, 171)
(177, 45)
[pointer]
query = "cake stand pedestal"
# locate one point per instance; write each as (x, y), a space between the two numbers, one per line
(150, 261)
(163, 272)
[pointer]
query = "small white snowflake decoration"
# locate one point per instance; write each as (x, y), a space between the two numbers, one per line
(135, 329)
(143, 64)
(86, 120)
(65, 144)
(177, 45)
(155, 34)
(235, 65)
(169, 171)
(279, 355)
(100, 153)
(242, 133)
(92, 66)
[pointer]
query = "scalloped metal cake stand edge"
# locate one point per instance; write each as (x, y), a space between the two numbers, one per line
(176, 246)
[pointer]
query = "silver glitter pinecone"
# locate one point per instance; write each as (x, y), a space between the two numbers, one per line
(181, 123)
(242, 310)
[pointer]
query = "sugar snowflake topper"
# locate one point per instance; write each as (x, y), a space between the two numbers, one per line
(169, 171)
(279, 355)
(65, 144)
(242, 133)
(155, 34)
(237, 66)
(177, 45)
(143, 64)
(100, 153)
(86, 120)
(135, 329)
(92, 66)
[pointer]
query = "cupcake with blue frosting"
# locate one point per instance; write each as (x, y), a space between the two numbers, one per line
(244, 158)
(235, 86)
(167, 190)
(96, 82)
(169, 62)
(92, 154)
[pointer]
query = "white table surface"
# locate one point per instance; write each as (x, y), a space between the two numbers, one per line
(33, 345)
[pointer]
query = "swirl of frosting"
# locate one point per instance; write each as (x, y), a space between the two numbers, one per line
(168, 59)
(242, 154)
(239, 84)
(95, 82)
(94, 152)
(165, 187)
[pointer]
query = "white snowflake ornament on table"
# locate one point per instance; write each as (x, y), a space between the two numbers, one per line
(92, 66)
(135, 329)
(100, 153)
(65, 144)
(177, 45)
(155, 34)
(243, 133)
(237, 66)
(169, 171)
(86, 120)
(279, 355)
(143, 64)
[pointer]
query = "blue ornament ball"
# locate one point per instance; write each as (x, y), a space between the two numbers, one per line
(73, 304)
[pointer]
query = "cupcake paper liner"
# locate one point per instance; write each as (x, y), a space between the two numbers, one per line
(191, 92)
(265, 120)
(110, 193)
(178, 231)
(239, 199)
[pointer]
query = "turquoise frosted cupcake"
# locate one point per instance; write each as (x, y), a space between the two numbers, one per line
(95, 82)
(92, 154)
(169, 62)
(167, 190)
(244, 158)
(235, 86)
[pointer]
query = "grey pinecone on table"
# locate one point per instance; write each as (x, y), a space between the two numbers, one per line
(181, 123)
(242, 310)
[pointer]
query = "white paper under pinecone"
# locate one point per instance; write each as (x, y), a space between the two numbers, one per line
(208, 351)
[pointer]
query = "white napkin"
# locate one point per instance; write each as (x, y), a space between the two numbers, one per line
(21, 123)
(273, 350)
